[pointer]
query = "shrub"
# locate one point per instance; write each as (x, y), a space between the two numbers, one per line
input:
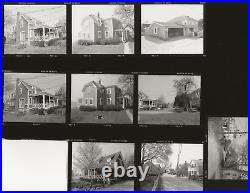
(21, 46)
(36, 43)
(84, 42)
(53, 42)
(111, 108)
(21, 113)
(112, 41)
(87, 108)
(51, 110)
(38, 111)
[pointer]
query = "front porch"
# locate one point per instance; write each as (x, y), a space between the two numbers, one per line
(147, 104)
(42, 101)
(42, 33)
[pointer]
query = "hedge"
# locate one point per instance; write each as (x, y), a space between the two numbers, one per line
(87, 108)
(111, 108)
(84, 42)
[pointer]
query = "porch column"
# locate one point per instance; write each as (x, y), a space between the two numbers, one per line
(167, 33)
(49, 101)
(43, 101)
(49, 33)
(122, 36)
(94, 173)
(57, 102)
(43, 33)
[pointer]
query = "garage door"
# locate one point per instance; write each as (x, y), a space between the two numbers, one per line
(175, 32)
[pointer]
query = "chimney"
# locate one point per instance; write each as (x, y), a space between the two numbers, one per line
(98, 15)
(100, 81)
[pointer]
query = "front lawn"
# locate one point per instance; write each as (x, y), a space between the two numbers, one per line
(114, 117)
(98, 49)
(169, 118)
(28, 117)
(12, 49)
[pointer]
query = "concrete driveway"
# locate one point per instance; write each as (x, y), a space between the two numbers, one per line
(151, 45)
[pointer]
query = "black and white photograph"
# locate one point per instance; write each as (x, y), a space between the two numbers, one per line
(89, 160)
(102, 98)
(228, 148)
(103, 29)
(169, 99)
(172, 29)
(172, 166)
(34, 165)
(34, 97)
(34, 29)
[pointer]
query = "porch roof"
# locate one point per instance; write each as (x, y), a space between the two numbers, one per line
(42, 93)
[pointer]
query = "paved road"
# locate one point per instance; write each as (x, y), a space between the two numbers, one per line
(171, 182)
(125, 185)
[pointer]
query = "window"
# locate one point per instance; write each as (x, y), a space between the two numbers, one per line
(106, 34)
(100, 22)
(21, 103)
(86, 101)
(101, 101)
(91, 101)
(35, 91)
(155, 30)
(99, 34)
(30, 100)
(30, 92)
(21, 91)
(108, 90)
(109, 101)
(31, 33)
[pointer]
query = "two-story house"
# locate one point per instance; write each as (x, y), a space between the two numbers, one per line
(180, 26)
(30, 29)
(94, 28)
(195, 168)
(28, 96)
(95, 94)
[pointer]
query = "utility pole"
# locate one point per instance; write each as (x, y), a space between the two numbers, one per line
(178, 159)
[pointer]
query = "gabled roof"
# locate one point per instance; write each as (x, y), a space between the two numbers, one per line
(34, 21)
(175, 22)
(103, 161)
(31, 87)
(97, 84)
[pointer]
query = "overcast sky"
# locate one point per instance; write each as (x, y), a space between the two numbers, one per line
(79, 12)
(157, 85)
(127, 149)
(49, 14)
(50, 82)
(165, 12)
(189, 152)
(79, 80)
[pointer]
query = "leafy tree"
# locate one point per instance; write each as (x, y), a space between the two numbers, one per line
(86, 155)
(161, 99)
(61, 94)
(9, 86)
(184, 85)
(183, 170)
(182, 100)
(151, 151)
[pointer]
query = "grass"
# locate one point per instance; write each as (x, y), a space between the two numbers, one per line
(115, 117)
(12, 49)
(51, 118)
(184, 118)
(98, 49)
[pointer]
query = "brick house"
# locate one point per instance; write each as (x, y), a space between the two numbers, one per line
(27, 96)
(30, 29)
(95, 94)
(184, 26)
(94, 28)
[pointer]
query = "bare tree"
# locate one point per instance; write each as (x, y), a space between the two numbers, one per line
(86, 155)
(127, 83)
(125, 13)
